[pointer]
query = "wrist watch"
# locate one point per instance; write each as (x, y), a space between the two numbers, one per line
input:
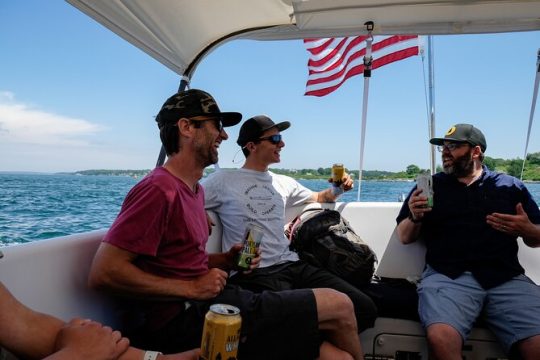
(151, 355)
(413, 220)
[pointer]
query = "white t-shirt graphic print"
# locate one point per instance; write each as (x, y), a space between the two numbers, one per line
(242, 196)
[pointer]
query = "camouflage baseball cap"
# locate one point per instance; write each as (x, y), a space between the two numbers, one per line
(464, 133)
(191, 103)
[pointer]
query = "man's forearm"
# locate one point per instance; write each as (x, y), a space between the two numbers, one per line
(223, 261)
(326, 196)
(113, 271)
(408, 231)
(133, 282)
(532, 237)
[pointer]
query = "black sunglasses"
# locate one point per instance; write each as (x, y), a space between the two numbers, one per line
(217, 122)
(274, 139)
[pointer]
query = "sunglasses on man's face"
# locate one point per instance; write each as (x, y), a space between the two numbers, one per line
(274, 139)
(450, 146)
(218, 124)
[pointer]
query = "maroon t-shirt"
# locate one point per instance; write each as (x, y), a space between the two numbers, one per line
(164, 222)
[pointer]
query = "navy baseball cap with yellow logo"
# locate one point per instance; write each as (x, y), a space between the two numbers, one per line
(463, 133)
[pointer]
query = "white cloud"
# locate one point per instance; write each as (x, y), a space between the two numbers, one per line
(6, 96)
(21, 123)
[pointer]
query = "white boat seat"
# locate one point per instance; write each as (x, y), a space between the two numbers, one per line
(213, 245)
(51, 276)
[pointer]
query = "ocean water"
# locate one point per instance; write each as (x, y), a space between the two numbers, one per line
(42, 206)
(35, 206)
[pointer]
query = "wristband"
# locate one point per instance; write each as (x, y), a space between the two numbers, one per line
(151, 355)
(413, 220)
(337, 190)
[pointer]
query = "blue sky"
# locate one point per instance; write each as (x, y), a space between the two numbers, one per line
(75, 96)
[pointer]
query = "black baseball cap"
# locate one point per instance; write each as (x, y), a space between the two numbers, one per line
(191, 103)
(464, 133)
(253, 128)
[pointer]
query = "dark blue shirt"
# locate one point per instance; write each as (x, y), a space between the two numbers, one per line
(457, 235)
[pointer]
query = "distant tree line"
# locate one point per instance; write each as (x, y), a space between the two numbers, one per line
(132, 173)
(512, 167)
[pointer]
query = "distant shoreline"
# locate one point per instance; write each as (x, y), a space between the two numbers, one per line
(367, 175)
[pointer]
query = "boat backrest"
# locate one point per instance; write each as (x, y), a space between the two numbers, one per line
(50, 276)
(375, 223)
(213, 245)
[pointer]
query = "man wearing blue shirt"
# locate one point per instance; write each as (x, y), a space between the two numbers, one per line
(471, 235)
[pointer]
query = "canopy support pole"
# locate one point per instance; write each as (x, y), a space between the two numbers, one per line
(531, 116)
(367, 75)
(184, 82)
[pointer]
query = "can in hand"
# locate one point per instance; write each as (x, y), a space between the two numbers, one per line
(252, 240)
(221, 333)
(424, 182)
(338, 171)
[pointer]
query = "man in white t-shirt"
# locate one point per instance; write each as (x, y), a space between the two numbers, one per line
(255, 195)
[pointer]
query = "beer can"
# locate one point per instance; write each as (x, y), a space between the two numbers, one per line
(221, 333)
(338, 171)
(252, 239)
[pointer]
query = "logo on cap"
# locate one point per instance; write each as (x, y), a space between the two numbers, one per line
(451, 131)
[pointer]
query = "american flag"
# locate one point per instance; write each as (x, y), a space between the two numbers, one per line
(334, 60)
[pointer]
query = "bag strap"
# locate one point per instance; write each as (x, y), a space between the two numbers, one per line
(292, 227)
(296, 221)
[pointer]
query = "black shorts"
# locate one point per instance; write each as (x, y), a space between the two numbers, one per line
(275, 325)
(302, 275)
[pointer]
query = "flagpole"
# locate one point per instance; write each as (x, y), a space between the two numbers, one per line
(531, 116)
(367, 75)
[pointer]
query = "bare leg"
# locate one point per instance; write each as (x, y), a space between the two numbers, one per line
(444, 342)
(328, 351)
(530, 348)
(337, 321)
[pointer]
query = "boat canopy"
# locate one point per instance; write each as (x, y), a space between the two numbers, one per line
(180, 33)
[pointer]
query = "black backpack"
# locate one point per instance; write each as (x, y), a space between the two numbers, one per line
(324, 238)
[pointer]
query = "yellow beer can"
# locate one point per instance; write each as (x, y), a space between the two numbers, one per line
(338, 171)
(221, 333)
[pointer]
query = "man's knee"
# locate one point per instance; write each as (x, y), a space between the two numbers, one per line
(364, 308)
(443, 336)
(329, 351)
(333, 305)
(529, 348)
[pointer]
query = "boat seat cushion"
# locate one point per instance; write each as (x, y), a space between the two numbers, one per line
(394, 298)
(214, 240)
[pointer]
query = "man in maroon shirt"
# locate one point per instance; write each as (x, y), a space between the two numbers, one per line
(154, 257)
